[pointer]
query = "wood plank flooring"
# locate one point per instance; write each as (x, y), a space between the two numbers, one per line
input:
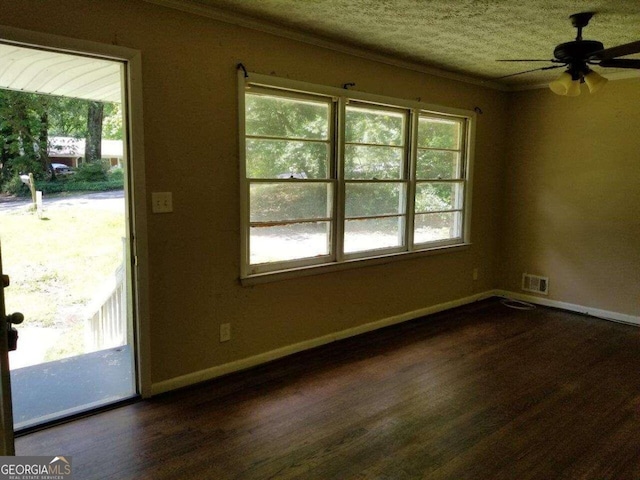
(479, 392)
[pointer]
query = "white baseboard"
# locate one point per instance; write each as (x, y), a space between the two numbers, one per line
(245, 363)
(594, 312)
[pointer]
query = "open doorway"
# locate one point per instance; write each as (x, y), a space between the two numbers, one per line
(65, 230)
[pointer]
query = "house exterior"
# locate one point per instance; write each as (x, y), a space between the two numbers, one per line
(70, 151)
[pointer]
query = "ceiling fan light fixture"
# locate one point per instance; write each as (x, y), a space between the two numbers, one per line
(574, 89)
(594, 81)
(562, 84)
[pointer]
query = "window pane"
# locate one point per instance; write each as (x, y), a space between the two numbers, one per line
(434, 164)
(289, 242)
(364, 125)
(373, 234)
(438, 133)
(286, 159)
(366, 162)
(433, 197)
(432, 227)
(284, 117)
(367, 199)
(273, 202)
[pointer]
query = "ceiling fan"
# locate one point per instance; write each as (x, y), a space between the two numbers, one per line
(578, 55)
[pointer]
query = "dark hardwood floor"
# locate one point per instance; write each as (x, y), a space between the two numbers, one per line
(479, 392)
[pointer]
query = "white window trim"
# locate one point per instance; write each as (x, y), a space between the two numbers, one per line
(337, 260)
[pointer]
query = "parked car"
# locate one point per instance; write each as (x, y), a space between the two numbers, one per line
(62, 169)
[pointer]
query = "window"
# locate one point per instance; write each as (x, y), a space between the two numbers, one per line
(375, 179)
(440, 183)
(288, 163)
(329, 179)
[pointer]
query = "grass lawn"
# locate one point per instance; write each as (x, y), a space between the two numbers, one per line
(58, 264)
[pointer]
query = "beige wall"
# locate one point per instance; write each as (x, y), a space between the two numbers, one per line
(572, 196)
(562, 199)
(191, 148)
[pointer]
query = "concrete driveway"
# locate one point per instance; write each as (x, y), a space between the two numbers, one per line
(112, 201)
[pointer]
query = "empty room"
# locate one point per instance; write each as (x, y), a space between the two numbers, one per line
(327, 239)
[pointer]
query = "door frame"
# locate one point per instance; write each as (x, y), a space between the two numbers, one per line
(136, 187)
(7, 445)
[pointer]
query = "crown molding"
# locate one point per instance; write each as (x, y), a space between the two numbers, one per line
(195, 8)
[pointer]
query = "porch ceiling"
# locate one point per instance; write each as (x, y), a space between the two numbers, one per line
(54, 73)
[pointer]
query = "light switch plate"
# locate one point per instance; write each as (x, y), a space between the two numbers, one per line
(161, 202)
(225, 332)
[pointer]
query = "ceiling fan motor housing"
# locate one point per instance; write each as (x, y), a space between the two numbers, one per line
(578, 50)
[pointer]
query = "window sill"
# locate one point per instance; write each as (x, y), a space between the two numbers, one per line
(346, 265)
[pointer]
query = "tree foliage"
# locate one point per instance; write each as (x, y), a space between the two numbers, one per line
(23, 133)
(29, 120)
(293, 137)
(68, 118)
(289, 138)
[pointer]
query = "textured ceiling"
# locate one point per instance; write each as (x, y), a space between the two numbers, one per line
(461, 36)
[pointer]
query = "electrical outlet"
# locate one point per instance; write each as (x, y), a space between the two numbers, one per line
(475, 273)
(225, 332)
(161, 202)
(535, 283)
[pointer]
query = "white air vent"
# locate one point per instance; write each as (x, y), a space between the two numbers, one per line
(535, 283)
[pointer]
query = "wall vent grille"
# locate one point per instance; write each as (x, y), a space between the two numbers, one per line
(535, 283)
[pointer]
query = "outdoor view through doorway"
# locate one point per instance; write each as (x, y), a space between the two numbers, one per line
(64, 232)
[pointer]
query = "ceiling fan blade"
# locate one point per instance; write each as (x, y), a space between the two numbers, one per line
(620, 63)
(528, 60)
(529, 71)
(619, 51)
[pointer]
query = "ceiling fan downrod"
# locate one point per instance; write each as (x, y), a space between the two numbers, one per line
(580, 20)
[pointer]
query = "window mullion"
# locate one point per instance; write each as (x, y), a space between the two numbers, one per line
(411, 172)
(435, 149)
(338, 172)
(440, 180)
(291, 180)
(286, 139)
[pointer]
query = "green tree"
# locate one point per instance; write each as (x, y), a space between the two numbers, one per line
(68, 118)
(93, 139)
(23, 134)
(293, 139)
(287, 136)
(28, 120)
(112, 123)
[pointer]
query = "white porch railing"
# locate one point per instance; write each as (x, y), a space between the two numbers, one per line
(106, 324)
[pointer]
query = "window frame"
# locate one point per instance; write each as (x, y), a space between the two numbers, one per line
(462, 179)
(340, 99)
(405, 179)
(280, 265)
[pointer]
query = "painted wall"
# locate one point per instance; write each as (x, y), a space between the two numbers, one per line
(572, 195)
(191, 149)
